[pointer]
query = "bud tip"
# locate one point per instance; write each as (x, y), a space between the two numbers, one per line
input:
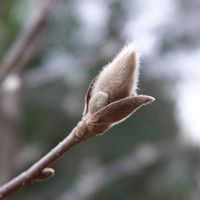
(149, 99)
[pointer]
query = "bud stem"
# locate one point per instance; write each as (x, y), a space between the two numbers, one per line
(31, 175)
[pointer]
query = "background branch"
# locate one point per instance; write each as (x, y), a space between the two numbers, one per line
(13, 63)
(10, 105)
(20, 51)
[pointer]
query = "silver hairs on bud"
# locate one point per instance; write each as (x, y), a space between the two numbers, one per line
(120, 77)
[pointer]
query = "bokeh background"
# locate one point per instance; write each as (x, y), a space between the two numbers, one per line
(152, 155)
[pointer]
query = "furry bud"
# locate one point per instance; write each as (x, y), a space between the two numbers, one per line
(112, 95)
(119, 78)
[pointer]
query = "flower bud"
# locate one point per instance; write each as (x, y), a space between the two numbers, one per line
(112, 95)
(119, 78)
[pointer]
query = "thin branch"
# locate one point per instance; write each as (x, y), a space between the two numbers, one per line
(15, 59)
(20, 51)
(34, 172)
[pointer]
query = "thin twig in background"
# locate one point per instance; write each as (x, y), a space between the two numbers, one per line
(10, 116)
(19, 51)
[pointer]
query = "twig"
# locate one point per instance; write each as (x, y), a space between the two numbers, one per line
(104, 107)
(34, 172)
(21, 48)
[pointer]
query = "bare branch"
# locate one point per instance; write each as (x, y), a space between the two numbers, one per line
(94, 121)
(34, 172)
(15, 59)
(10, 111)
(20, 51)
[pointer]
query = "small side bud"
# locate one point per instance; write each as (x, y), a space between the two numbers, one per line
(46, 174)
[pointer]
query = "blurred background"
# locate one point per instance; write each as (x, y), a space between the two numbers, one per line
(49, 54)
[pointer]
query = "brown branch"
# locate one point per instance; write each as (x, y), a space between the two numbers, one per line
(34, 172)
(20, 51)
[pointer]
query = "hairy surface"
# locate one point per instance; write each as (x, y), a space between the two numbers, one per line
(119, 78)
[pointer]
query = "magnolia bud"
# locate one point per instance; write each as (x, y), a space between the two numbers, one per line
(112, 96)
(119, 78)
